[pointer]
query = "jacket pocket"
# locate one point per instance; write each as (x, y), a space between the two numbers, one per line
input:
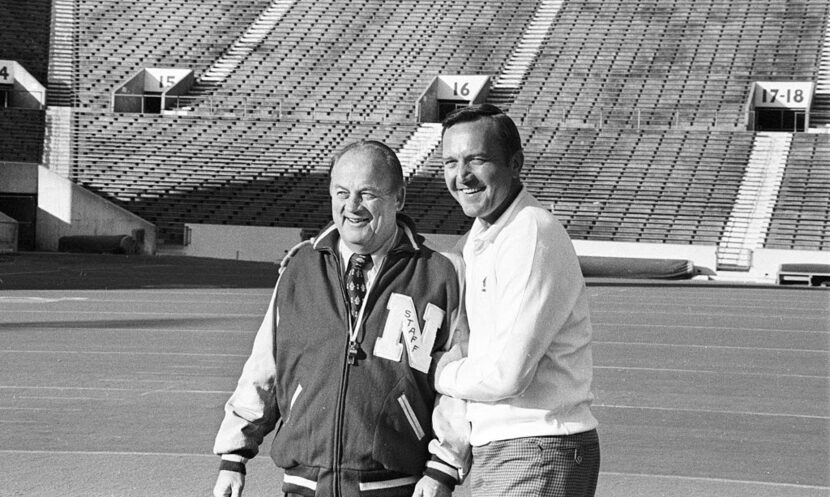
(403, 429)
(295, 430)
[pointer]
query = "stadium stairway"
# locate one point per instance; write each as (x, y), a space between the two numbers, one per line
(820, 111)
(255, 33)
(507, 83)
(749, 221)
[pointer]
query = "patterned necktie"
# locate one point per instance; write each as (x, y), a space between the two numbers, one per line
(356, 284)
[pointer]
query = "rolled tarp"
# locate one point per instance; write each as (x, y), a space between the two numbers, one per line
(105, 244)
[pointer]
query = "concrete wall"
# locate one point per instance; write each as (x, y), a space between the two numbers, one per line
(66, 209)
(767, 262)
(253, 243)
(244, 243)
(18, 177)
(264, 244)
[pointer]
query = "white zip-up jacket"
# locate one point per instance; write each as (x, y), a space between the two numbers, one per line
(529, 368)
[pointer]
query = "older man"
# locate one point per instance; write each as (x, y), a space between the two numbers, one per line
(353, 401)
(527, 373)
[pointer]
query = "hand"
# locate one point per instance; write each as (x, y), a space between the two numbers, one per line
(428, 487)
(229, 484)
(452, 355)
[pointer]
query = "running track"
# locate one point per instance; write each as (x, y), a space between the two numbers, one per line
(701, 390)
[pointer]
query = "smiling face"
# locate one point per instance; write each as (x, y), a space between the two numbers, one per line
(477, 171)
(364, 200)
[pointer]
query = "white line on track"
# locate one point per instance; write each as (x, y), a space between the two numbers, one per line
(69, 327)
(696, 327)
(710, 347)
(110, 389)
(147, 291)
(87, 301)
(68, 409)
(711, 411)
(714, 480)
(692, 312)
(608, 307)
(55, 397)
(105, 453)
(79, 352)
(139, 313)
(40, 300)
(705, 371)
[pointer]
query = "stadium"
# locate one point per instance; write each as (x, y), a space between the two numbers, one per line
(684, 145)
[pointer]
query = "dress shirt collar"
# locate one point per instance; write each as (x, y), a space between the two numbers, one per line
(377, 257)
(481, 235)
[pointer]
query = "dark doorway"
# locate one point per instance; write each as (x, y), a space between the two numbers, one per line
(447, 106)
(152, 103)
(779, 120)
(23, 209)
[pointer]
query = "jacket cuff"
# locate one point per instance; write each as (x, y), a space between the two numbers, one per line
(442, 472)
(236, 467)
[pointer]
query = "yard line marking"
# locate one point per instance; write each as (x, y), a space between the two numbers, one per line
(709, 347)
(715, 480)
(712, 411)
(705, 371)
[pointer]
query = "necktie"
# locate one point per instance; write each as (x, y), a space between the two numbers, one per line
(356, 291)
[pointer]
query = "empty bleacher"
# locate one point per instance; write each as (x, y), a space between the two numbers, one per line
(119, 38)
(614, 110)
(25, 35)
(220, 171)
(370, 60)
(801, 217)
(660, 187)
(667, 63)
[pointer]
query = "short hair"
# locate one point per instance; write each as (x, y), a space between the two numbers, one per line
(506, 128)
(389, 157)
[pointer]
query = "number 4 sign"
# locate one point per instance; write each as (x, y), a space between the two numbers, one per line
(403, 320)
(6, 72)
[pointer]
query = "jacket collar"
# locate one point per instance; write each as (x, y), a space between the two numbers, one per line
(410, 240)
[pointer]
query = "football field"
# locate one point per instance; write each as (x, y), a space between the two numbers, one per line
(701, 389)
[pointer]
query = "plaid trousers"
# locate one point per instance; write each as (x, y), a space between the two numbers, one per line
(555, 466)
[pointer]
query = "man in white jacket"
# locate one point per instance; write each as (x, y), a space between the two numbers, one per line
(528, 368)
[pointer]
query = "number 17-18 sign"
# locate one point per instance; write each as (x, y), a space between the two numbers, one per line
(783, 95)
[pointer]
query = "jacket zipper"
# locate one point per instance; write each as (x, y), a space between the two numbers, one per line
(341, 395)
(341, 398)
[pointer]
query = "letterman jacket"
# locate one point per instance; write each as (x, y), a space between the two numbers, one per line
(346, 429)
